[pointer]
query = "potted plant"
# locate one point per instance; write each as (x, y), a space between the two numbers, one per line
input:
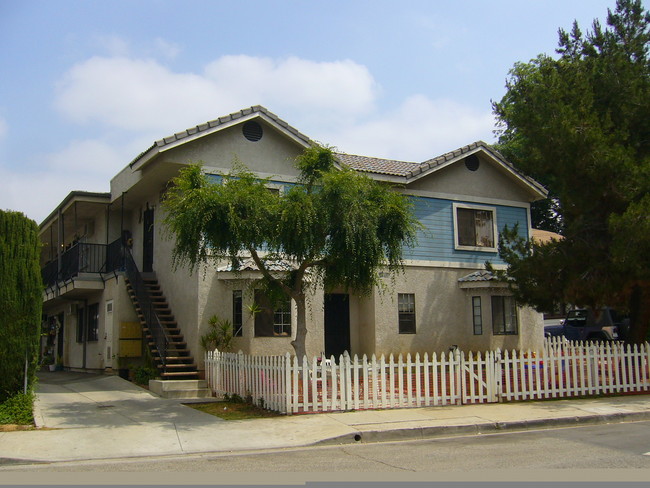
(48, 360)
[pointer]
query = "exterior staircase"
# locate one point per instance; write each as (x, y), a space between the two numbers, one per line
(176, 366)
(178, 371)
(178, 363)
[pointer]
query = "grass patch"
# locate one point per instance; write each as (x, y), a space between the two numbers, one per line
(234, 410)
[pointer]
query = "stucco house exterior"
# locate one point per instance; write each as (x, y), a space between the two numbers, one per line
(99, 249)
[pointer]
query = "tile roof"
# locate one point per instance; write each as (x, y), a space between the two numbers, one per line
(249, 265)
(376, 165)
(391, 167)
(482, 275)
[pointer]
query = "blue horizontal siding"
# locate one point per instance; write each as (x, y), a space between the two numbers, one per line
(437, 242)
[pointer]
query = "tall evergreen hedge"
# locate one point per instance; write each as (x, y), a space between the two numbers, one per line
(20, 302)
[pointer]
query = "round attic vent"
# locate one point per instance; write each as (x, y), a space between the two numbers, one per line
(252, 131)
(472, 162)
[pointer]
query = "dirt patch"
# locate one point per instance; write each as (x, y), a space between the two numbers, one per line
(15, 427)
(233, 410)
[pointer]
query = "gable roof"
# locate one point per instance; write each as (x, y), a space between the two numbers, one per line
(410, 171)
(404, 171)
(201, 130)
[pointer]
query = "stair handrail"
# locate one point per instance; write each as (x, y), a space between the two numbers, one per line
(151, 318)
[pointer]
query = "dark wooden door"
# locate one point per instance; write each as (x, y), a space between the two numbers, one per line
(147, 243)
(337, 324)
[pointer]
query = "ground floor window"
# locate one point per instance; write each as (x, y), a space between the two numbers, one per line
(88, 323)
(406, 313)
(237, 314)
(477, 316)
(272, 319)
(504, 315)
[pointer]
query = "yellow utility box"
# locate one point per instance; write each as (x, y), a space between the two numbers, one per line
(130, 340)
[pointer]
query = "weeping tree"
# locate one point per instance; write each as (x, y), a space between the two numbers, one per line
(335, 227)
(20, 302)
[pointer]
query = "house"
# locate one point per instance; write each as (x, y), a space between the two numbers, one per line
(112, 294)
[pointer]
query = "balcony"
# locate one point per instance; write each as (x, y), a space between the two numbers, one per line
(81, 262)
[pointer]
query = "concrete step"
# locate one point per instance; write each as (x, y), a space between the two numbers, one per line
(183, 389)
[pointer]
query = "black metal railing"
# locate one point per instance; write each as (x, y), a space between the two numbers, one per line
(151, 319)
(84, 258)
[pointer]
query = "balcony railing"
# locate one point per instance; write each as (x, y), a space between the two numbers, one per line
(84, 258)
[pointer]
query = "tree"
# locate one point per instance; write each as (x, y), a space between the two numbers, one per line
(579, 123)
(336, 227)
(20, 302)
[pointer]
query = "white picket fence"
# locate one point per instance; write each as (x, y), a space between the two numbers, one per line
(561, 369)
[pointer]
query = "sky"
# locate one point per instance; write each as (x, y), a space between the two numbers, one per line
(85, 86)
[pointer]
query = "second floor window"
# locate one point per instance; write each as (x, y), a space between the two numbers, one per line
(475, 228)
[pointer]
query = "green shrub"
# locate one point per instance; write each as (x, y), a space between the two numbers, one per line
(219, 335)
(21, 302)
(18, 409)
(142, 375)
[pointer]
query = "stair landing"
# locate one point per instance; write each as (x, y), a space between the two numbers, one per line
(181, 389)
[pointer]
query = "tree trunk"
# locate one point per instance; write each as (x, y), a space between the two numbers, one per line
(639, 314)
(299, 344)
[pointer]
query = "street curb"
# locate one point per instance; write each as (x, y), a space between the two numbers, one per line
(421, 433)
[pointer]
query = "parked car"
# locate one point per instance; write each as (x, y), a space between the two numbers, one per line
(585, 324)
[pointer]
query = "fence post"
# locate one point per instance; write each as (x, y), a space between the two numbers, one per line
(497, 391)
(287, 384)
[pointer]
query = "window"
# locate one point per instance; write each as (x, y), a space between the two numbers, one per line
(93, 322)
(475, 228)
(504, 315)
(237, 316)
(272, 320)
(406, 312)
(477, 318)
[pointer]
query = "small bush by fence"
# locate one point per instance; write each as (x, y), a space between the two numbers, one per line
(560, 370)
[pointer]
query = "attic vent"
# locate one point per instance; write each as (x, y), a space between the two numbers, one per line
(252, 131)
(472, 162)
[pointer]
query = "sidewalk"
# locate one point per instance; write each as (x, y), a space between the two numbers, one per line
(83, 417)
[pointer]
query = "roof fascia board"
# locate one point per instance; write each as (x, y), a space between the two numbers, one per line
(69, 200)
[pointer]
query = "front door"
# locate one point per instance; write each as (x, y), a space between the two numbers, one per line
(337, 324)
(147, 242)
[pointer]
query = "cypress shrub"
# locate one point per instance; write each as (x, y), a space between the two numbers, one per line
(21, 302)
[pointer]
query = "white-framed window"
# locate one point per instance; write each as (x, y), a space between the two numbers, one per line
(475, 227)
(272, 319)
(406, 313)
(477, 316)
(237, 314)
(504, 315)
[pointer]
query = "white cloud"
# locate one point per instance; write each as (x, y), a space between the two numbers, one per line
(86, 165)
(168, 49)
(135, 101)
(419, 129)
(136, 94)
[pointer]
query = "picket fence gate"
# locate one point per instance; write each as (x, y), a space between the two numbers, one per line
(562, 369)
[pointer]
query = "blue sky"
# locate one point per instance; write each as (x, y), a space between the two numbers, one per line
(85, 86)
